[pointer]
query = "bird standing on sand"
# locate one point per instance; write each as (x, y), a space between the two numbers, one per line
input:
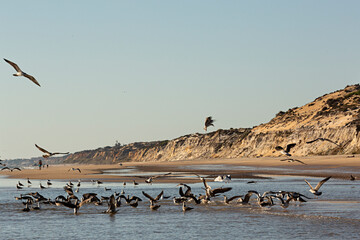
(287, 150)
(315, 190)
(208, 122)
(20, 73)
(47, 153)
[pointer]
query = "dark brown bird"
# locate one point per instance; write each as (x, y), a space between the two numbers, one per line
(151, 199)
(111, 205)
(10, 169)
(208, 122)
(134, 204)
(20, 73)
(323, 139)
(213, 192)
(228, 200)
(185, 208)
(47, 153)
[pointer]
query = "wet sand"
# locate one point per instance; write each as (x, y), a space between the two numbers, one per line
(250, 168)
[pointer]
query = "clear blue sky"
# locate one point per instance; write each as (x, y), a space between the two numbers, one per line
(153, 70)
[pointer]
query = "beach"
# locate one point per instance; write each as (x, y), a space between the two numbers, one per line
(336, 212)
(338, 166)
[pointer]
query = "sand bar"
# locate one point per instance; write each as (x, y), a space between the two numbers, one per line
(317, 166)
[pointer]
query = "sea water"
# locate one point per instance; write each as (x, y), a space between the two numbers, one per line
(333, 215)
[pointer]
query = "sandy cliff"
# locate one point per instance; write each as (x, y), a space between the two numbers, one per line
(334, 116)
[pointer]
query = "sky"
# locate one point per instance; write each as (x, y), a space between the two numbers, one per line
(144, 70)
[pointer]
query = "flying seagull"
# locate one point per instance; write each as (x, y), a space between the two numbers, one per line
(287, 150)
(47, 153)
(208, 122)
(20, 73)
(11, 169)
(323, 139)
(75, 169)
(293, 160)
(315, 190)
(151, 178)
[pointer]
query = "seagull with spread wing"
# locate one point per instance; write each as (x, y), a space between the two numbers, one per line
(286, 150)
(293, 160)
(151, 199)
(315, 190)
(20, 73)
(213, 192)
(75, 169)
(151, 178)
(47, 153)
(11, 169)
(323, 139)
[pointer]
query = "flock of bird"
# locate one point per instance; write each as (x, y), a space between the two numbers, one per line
(186, 196)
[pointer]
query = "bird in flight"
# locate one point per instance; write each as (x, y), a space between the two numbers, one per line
(287, 150)
(75, 169)
(323, 139)
(151, 178)
(293, 160)
(10, 169)
(47, 153)
(20, 73)
(315, 190)
(208, 122)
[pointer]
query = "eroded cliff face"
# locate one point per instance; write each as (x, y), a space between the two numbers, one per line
(334, 116)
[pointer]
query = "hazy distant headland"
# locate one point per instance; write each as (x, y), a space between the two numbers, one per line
(334, 116)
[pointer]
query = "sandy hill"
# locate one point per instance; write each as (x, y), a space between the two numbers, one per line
(334, 116)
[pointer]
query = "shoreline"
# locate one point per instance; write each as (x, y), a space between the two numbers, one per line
(338, 166)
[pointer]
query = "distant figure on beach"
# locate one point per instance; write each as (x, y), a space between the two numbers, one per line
(40, 164)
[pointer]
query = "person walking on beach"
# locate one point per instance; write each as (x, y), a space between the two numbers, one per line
(40, 164)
